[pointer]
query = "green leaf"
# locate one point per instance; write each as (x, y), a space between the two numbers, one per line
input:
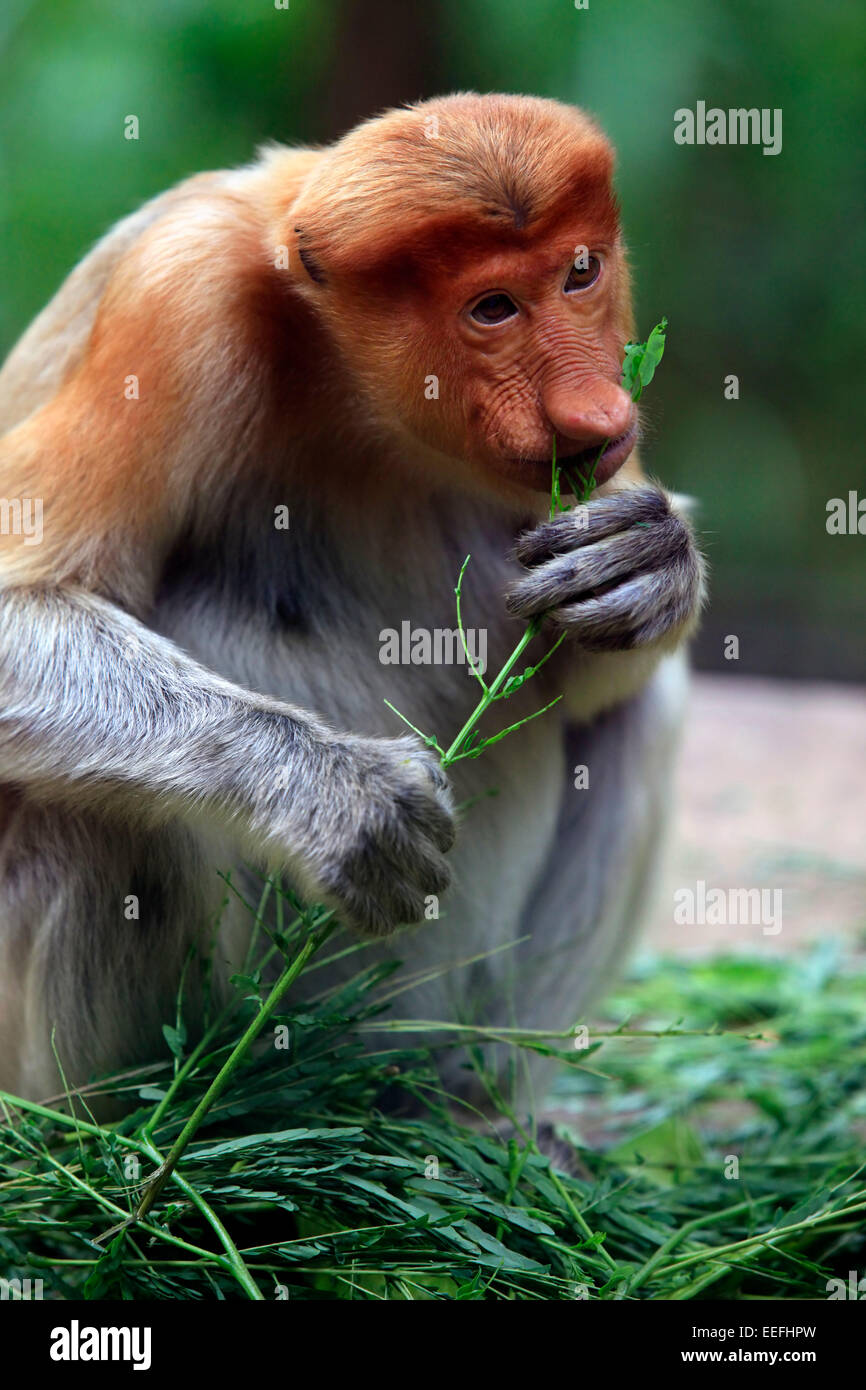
(658, 1152)
(641, 359)
(175, 1037)
(653, 353)
(151, 1092)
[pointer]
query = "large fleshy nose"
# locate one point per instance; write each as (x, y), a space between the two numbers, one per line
(588, 415)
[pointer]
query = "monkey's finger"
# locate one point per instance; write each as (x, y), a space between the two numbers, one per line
(636, 613)
(427, 804)
(591, 521)
(380, 897)
(428, 874)
(421, 761)
(582, 573)
(427, 808)
(426, 814)
(439, 825)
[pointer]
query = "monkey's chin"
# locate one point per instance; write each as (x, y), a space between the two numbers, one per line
(536, 473)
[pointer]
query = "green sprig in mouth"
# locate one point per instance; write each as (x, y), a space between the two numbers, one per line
(638, 369)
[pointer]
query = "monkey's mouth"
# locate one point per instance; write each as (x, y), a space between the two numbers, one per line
(583, 466)
(592, 464)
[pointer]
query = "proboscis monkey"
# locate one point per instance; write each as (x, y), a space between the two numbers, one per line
(378, 341)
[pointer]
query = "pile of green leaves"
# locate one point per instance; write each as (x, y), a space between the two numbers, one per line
(304, 1179)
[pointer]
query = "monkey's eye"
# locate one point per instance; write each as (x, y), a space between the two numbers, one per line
(494, 308)
(581, 279)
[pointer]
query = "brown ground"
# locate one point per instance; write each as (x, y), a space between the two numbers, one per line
(771, 794)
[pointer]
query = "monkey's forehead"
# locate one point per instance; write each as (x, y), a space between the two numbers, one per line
(458, 169)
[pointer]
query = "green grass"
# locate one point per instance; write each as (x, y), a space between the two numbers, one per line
(301, 1181)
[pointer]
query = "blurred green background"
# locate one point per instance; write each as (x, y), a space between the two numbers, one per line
(757, 261)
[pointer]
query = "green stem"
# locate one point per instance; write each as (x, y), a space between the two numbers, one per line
(577, 1216)
(232, 1262)
(199, 1051)
(226, 1072)
(239, 1268)
(678, 1236)
(453, 752)
(752, 1245)
(458, 593)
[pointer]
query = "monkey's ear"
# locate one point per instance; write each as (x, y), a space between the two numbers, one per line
(307, 257)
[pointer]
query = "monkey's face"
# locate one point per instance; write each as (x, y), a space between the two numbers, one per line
(479, 289)
(492, 355)
(492, 358)
(535, 337)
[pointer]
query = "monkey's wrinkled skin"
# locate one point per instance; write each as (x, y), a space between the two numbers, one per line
(385, 337)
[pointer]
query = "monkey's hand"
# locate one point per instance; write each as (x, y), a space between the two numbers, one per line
(618, 573)
(364, 827)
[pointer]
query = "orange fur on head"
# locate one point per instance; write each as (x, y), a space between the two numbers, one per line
(459, 172)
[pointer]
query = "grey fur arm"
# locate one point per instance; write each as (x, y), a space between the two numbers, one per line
(95, 709)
